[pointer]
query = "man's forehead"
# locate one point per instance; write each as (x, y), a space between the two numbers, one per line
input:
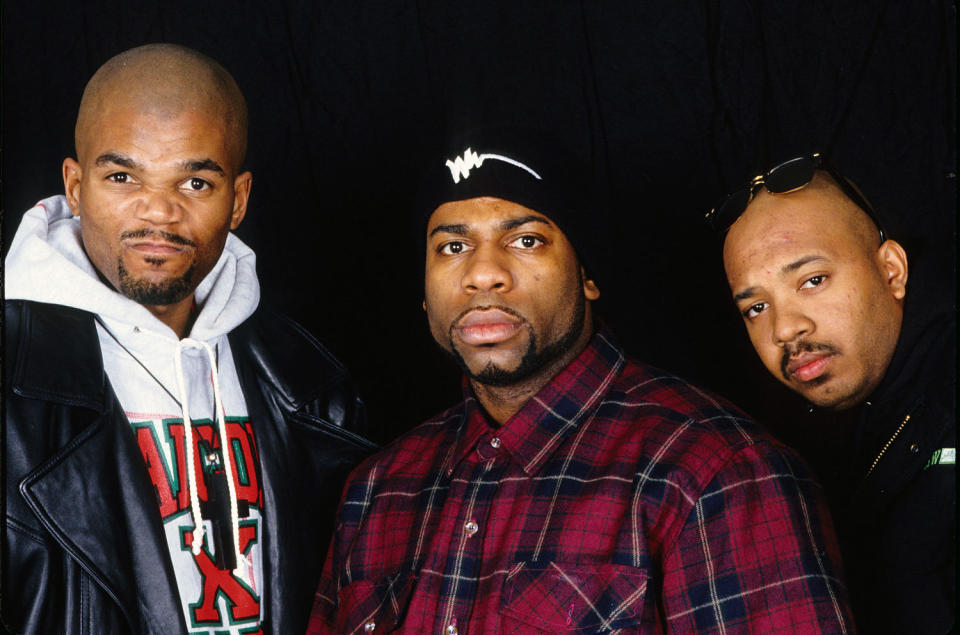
(821, 209)
(165, 109)
(774, 222)
(120, 130)
(776, 258)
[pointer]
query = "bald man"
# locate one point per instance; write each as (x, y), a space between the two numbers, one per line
(172, 454)
(823, 295)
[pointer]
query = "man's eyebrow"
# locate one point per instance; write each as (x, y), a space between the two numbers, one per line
(785, 269)
(796, 264)
(194, 165)
(199, 165)
(746, 293)
(513, 223)
(459, 229)
(108, 158)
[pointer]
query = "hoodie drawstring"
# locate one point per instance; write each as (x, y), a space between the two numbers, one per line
(198, 529)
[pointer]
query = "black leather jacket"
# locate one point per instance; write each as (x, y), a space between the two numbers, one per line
(84, 549)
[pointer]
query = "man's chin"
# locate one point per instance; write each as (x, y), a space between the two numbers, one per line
(488, 368)
(828, 397)
(156, 290)
(156, 293)
(494, 375)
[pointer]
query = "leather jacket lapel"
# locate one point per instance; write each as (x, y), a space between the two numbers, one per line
(118, 538)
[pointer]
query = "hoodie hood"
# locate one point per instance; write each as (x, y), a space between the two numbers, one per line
(47, 263)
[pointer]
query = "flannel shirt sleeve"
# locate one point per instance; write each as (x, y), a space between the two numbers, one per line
(757, 553)
(324, 602)
(323, 615)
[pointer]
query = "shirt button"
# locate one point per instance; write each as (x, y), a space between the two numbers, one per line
(370, 626)
(471, 527)
(914, 448)
(495, 442)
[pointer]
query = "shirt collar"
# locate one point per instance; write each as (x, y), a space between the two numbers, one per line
(534, 432)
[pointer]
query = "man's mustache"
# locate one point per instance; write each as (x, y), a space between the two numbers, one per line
(803, 346)
(157, 234)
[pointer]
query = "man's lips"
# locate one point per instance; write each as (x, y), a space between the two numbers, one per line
(155, 243)
(487, 326)
(154, 247)
(808, 366)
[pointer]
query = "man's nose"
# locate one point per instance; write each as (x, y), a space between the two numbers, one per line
(487, 270)
(159, 207)
(789, 324)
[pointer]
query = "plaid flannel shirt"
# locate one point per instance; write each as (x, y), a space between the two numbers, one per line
(618, 499)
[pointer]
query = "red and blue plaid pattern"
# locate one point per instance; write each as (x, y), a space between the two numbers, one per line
(619, 499)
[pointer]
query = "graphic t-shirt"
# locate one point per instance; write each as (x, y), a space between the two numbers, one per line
(214, 598)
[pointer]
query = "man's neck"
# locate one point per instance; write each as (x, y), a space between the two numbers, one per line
(179, 316)
(502, 402)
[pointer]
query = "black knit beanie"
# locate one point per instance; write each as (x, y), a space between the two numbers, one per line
(524, 166)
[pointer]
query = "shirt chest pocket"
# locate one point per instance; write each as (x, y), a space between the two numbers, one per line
(556, 597)
(373, 606)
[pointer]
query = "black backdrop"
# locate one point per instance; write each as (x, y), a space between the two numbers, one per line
(674, 102)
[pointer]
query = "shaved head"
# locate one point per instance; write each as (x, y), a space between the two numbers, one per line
(850, 217)
(166, 81)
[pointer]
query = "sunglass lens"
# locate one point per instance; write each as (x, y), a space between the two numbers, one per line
(790, 175)
(731, 209)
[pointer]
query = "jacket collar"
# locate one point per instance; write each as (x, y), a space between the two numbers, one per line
(265, 341)
(58, 356)
(118, 539)
(927, 331)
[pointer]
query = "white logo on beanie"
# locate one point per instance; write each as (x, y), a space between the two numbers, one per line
(461, 166)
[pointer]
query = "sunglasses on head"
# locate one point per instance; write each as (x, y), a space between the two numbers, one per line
(787, 177)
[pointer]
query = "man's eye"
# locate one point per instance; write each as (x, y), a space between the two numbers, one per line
(119, 177)
(815, 281)
(451, 248)
(196, 184)
(754, 310)
(526, 242)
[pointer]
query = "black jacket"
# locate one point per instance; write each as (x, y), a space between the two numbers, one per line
(84, 549)
(895, 512)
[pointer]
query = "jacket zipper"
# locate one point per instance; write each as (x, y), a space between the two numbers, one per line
(887, 445)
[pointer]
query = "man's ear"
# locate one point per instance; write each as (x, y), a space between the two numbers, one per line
(241, 195)
(590, 289)
(72, 176)
(892, 260)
